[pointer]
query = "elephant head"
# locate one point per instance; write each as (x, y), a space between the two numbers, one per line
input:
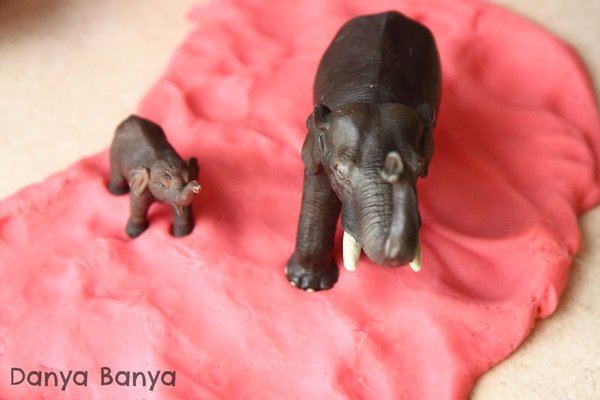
(372, 155)
(170, 181)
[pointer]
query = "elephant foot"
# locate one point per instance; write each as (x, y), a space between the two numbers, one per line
(117, 189)
(135, 229)
(182, 230)
(313, 277)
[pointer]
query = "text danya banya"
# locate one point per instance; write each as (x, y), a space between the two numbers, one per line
(104, 377)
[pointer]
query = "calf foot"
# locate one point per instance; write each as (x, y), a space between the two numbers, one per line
(117, 189)
(135, 228)
(181, 230)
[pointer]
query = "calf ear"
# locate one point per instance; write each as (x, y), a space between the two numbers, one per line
(193, 168)
(138, 179)
(426, 113)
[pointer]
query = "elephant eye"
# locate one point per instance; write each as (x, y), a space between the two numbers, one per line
(338, 171)
(342, 172)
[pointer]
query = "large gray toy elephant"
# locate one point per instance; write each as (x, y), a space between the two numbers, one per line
(369, 137)
(141, 159)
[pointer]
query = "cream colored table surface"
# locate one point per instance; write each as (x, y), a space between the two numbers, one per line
(70, 70)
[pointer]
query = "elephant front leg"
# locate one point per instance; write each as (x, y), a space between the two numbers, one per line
(312, 266)
(183, 221)
(138, 221)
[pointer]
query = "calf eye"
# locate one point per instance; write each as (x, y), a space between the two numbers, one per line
(166, 181)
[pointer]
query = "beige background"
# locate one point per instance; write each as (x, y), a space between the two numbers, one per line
(70, 70)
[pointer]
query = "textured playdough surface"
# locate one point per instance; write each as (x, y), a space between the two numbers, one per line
(518, 142)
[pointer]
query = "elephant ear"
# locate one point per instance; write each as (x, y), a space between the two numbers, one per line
(319, 117)
(413, 160)
(426, 113)
(314, 146)
(193, 168)
(138, 180)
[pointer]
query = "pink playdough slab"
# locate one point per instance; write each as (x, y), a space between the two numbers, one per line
(517, 154)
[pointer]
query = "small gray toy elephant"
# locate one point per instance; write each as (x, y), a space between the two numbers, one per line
(143, 161)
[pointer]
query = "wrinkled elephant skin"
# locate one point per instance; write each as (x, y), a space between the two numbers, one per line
(376, 95)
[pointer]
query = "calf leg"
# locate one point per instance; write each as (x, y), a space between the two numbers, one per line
(138, 221)
(182, 224)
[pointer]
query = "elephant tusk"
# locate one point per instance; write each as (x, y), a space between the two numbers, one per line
(351, 252)
(415, 264)
(179, 210)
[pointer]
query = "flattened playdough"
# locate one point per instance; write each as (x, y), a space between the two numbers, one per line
(517, 149)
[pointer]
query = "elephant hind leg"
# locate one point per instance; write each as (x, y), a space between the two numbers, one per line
(118, 188)
(117, 185)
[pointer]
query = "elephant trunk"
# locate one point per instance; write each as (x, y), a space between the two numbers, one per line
(388, 228)
(185, 197)
(402, 243)
(373, 210)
